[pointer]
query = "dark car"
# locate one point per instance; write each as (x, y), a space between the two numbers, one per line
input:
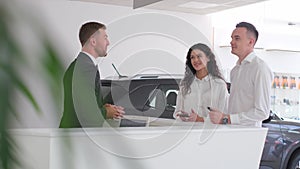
(282, 145)
(155, 96)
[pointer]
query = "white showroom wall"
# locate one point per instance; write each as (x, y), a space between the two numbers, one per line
(141, 41)
(64, 18)
(278, 42)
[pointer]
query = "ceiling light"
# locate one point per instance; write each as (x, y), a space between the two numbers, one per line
(198, 5)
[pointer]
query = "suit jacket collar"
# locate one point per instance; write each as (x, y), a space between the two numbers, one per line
(91, 57)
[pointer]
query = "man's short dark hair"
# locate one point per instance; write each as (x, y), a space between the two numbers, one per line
(88, 29)
(250, 28)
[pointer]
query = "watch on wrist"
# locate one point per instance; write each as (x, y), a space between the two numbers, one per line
(225, 119)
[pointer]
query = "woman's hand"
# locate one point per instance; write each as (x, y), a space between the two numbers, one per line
(195, 117)
(184, 116)
(192, 117)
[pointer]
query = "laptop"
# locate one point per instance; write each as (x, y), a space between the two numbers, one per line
(134, 121)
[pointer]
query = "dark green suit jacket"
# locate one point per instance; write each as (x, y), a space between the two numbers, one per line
(81, 107)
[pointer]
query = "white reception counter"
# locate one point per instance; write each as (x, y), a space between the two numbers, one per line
(181, 145)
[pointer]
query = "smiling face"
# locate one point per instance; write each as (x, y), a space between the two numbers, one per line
(242, 43)
(100, 42)
(198, 59)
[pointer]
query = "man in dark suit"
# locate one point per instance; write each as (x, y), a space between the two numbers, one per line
(84, 105)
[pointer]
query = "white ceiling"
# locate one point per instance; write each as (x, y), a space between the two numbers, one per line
(189, 6)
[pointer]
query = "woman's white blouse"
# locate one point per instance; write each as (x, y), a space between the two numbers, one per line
(208, 92)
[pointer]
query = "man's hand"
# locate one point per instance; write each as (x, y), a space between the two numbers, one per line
(216, 116)
(113, 111)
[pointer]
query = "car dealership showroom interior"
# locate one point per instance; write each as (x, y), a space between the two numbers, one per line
(148, 84)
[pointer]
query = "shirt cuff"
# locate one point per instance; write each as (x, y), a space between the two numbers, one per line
(175, 114)
(234, 118)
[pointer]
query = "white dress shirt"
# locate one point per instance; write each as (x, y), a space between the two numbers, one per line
(208, 92)
(250, 94)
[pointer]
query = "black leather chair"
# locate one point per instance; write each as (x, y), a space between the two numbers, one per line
(170, 107)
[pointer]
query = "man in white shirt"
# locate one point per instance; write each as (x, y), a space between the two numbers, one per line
(251, 79)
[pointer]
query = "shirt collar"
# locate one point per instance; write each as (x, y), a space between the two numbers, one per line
(206, 78)
(248, 59)
(95, 61)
